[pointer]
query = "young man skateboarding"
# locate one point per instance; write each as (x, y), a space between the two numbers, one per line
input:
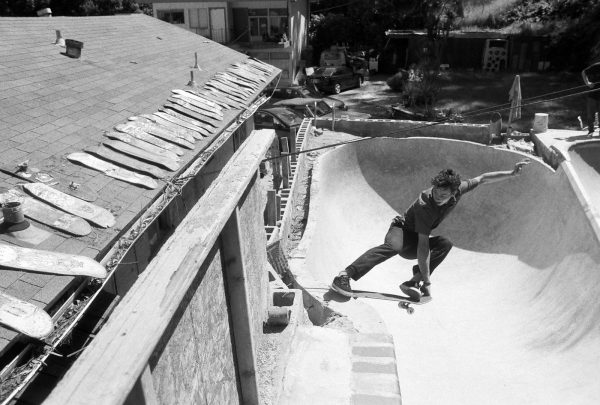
(409, 234)
(591, 77)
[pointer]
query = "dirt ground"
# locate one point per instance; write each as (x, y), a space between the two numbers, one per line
(469, 92)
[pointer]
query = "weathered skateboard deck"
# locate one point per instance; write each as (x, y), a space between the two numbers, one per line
(177, 129)
(198, 132)
(44, 261)
(159, 132)
(142, 154)
(200, 106)
(186, 109)
(165, 132)
(138, 133)
(185, 119)
(113, 170)
(141, 144)
(24, 317)
(90, 212)
(45, 214)
(215, 107)
(124, 160)
(60, 183)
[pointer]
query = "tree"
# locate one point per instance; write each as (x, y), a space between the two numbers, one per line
(29, 8)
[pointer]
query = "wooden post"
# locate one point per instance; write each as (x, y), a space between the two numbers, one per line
(143, 391)
(285, 163)
(237, 293)
(293, 133)
(271, 211)
(275, 164)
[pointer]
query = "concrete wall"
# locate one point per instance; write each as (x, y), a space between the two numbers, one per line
(405, 129)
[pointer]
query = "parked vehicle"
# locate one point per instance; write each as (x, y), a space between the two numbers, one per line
(281, 119)
(286, 93)
(315, 107)
(335, 79)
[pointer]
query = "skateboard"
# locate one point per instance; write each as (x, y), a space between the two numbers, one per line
(404, 302)
(189, 110)
(140, 134)
(90, 212)
(45, 261)
(145, 155)
(126, 161)
(34, 175)
(159, 132)
(215, 107)
(46, 214)
(112, 170)
(141, 144)
(184, 118)
(166, 132)
(163, 117)
(197, 102)
(24, 317)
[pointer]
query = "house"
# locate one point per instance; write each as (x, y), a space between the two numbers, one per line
(272, 31)
(56, 102)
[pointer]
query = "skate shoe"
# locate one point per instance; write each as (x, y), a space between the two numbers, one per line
(341, 285)
(425, 293)
(411, 288)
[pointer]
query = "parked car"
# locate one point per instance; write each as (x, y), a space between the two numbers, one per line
(335, 79)
(316, 107)
(286, 93)
(281, 119)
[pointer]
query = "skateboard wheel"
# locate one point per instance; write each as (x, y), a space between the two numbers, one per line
(410, 310)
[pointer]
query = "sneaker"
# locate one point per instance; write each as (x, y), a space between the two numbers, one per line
(341, 285)
(411, 288)
(425, 293)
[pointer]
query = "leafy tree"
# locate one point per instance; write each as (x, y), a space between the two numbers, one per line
(28, 8)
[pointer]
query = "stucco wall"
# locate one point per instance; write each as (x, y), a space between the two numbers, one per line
(196, 366)
(479, 133)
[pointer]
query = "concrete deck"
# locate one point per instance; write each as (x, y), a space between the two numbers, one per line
(514, 316)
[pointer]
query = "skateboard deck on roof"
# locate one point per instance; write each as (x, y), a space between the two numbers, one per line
(218, 109)
(217, 98)
(140, 134)
(233, 84)
(47, 262)
(184, 115)
(245, 70)
(112, 170)
(161, 132)
(45, 214)
(24, 317)
(141, 144)
(125, 160)
(198, 132)
(142, 154)
(194, 106)
(227, 90)
(212, 111)
(243, 82)
(175, 129)
(60, 183)
(189, 110)
(90, 212)
(167, 128)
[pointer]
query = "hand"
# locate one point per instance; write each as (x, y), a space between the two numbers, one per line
(518, 166)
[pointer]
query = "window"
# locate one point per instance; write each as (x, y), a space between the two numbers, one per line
(198, 18)
(267, 24)
(171, 16)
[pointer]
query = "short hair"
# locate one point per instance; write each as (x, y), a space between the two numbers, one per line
(446, 178)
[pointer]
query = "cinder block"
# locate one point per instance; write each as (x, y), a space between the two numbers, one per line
(374, 351)
(362, 399)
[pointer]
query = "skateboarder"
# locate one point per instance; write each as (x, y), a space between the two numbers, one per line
(591, 77)
(409, 234)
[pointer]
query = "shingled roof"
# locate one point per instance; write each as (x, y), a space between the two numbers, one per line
(52, 105)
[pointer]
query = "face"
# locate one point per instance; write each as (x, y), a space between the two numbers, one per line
(441, 195)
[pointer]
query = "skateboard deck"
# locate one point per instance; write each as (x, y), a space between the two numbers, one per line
(404, 302)
(176, 129)
(240, 81)
(90, 212)
(218, 109)
(142, 135)
(199, 105)
(142, 154)
(231, 86)
(124, 160)
(46, 214)
(60, 183)
(186, 119)
(185, 108)
(24, 317)
(159, 132)
(198, 132)
(112, 170)
(44, 261)
(141, 144)
(165, 132)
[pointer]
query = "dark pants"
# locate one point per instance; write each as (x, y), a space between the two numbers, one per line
(592, 106)
(401, 242)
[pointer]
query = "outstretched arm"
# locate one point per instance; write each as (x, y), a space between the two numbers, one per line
(492, 177)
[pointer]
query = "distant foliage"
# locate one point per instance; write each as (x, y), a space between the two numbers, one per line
(29, 8)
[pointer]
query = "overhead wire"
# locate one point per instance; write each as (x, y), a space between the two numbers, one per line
(485, 110)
